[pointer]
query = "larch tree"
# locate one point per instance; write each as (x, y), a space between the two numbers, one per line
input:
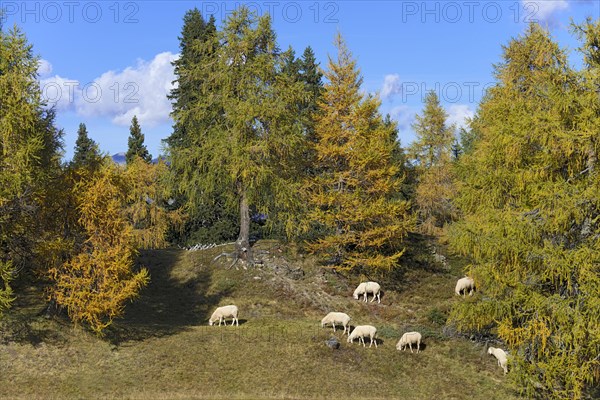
(248, 128)
(147, 204)
(529, 198)
(95, 284)
(30, 151)
(135, 143)
(353, 195)
(431, 154)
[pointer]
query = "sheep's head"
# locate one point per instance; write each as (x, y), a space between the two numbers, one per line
(491, 350)
(211, 322)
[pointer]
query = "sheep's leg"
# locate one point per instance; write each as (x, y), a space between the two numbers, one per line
(333, 323)
(410, 346)
(379, 298)
(373, 340)
(418, 347)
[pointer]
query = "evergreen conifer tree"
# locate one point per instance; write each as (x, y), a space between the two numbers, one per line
(208, 219)
(136, 146)
(86, 150)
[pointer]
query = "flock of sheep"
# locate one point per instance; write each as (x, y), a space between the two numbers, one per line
(360, 332)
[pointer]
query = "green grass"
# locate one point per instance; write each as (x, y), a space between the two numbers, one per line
(164, 349)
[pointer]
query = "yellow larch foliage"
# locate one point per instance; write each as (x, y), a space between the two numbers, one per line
(353, 197)
(95, 285)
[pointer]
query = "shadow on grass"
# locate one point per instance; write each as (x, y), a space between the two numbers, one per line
(172, 302)
(418, 256)
(379, 342)
(407, 349)
(24, 329)
(228, 323)
(27, 321)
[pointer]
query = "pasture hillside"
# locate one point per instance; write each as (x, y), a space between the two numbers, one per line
(164, 349)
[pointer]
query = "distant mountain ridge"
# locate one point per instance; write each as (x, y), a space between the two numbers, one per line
(119, 158)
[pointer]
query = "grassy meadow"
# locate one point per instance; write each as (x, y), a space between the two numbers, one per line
(163, 348)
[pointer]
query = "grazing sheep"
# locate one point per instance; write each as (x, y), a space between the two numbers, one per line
(360, 332)
(409, 338)
(222, 313)
(337, 317)
(368, 287)
(464, 284)
(500, 356)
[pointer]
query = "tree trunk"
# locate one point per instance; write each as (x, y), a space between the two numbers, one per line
(243, 248)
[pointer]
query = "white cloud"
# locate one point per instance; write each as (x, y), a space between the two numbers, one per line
(44, 67)
(141, 90)
(391, 86)
(543, 10)
(458, 113)
(59, 92)
(404, 116)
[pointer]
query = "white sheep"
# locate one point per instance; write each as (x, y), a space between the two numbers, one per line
(500, 356)
(222, 313)
(360, 332)
(368, 287)
(409, 338)
(337, 317)
(464, 284)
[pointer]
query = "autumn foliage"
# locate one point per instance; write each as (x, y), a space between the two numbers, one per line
(529, 198)
(353, 195)
(95, 284)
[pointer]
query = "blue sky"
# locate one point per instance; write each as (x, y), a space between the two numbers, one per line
(104, 61)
